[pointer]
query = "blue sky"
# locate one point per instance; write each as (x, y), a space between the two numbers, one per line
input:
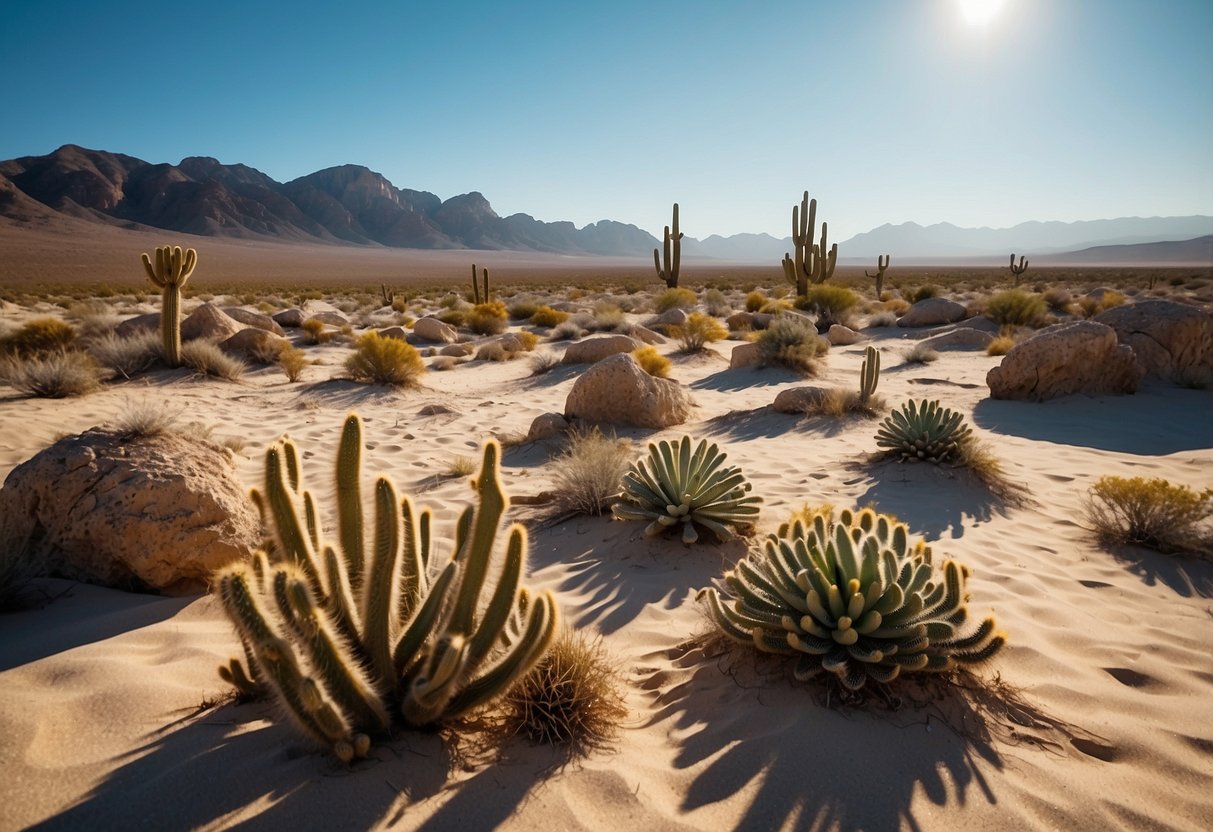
(884, 110)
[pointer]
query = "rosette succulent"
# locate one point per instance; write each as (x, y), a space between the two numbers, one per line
(923, 430)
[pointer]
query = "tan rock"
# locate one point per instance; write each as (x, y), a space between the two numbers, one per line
(255, 344)
(160, 512)
(749, 320)
(457, 350)
(395, 332)
(334, 319)
(209, 322)
(932, 312)
(255, 319)
(591, 350)
(292, 318)
(961, 338)
(842, 336)
(1172, 341)
(643, 333)
(1071, 357)
(798, 399)
(745, 355)
(547, 425)
(617, 391)
(434, 330)
(138, 324)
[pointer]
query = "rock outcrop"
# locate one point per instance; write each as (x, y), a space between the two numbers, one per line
(1071, 357)
(1172, 341)
(209, 322)
(435, 331)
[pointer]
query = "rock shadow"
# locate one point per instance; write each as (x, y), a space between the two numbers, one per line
(746, 377)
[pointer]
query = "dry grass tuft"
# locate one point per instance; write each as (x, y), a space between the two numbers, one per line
(1018, 308)
(141, 419)
(292, 361)
(975, 455)
(380, 360)
(881, 319)
(837, 403)
(1151, 513)
(127, 357)
(588, 474)
(1000, 345)
(56, 376)
(489, 318)
(651, 361)
(793, 342)
(544, 362)
(755, 301)
(681, 297)
(716, 304)
(40, 336)
(919, 354)
(547, 316)
(698, 331)
(206, 358)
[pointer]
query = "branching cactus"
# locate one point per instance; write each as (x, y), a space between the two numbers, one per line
(813, 263)
(476, 295)
(1021, 268)
(924, 430)
(882, 263)
(854, 597)
(350, 637)
(672, 251)
(869, 375)
(170, 271)
(677, 485)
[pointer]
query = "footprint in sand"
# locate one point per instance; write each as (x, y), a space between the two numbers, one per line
(1095, 584)
(1130, 678)
(1107, 753)
(1059, 478)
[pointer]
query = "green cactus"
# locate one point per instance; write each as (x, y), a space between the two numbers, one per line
(672, 245)
(924, 430)
(170, 272)
(812, 263)
(882, 263)
(476, 296)
(344, 637)
(853, 597)
(869, 375)
(1020, 269)
(675, 486)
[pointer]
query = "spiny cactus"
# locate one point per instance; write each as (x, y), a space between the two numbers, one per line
(388, 295)
(672, 245)
(882, 263)
(675, 485)
(812, 263)
(1020, 269)
(170, 272)
(869, 375)
(853, 597)
(923, 430)
(344, 636)
(476, 296)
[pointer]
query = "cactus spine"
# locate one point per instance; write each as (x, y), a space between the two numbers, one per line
(672, 249)
(1020, 269)
(812, 264)
(882, 263)
(171, 270)
(343, 637)
(869, 375)
(476, 297)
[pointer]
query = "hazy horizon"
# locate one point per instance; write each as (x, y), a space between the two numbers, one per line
(887, 112)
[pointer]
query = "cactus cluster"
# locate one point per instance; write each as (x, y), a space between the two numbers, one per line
(882, 263)
(347, 636)
(676, 484)
(672, 249)
(924, 430)
(852, 596)
(813, 263)
(477, 297)
(170, 271)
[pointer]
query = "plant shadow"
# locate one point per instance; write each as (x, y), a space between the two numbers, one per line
(957, 497)
(1186, 576)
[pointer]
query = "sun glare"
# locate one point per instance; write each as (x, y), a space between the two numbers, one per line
(979, 13)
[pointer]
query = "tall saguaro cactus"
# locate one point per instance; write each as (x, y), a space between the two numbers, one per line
(170, 272)
(812, 263)
(1020, 269)
(882, 263)
(476, 288)
(673, 254)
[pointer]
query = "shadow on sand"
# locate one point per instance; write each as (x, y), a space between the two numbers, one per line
(953, 497)
(1187, 576)
(744, 378)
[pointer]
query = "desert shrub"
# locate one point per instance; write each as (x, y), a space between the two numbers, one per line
(380, 360)
(1092, 306)
(206, 358)
(923, 430)
(488, 318)
(57, 375)
(40, 336)
(716, 304)
(493, 351)
(792, 341)
(94, 317)
(453, 317)
(1000, 345)
(1150, 512)
(676, 484)
(1058, 300)
(544, 362)
(292, 361)
(852, 596)
(315, 331)
(1017, 307)
(897, 306)
(572, 697)
(881, 319)
(651, 361)
(460, 466)
(547, 316)
(832, 304)
(698, 331)
(528, 340)
(755, 301)
(680, 297)
(586, 476)
(522, 310)
(567, 331)
(927, 290)
(608, 317)
(128, 356)
(919, 354)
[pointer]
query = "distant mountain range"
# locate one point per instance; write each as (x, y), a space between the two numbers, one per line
(354, 205)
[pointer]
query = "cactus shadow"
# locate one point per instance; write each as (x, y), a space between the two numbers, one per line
(763, 723)
(932, 500)
(1185, 575)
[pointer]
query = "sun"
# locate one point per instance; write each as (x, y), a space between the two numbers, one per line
(979, 13)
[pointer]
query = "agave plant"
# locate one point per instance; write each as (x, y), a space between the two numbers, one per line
(853, 597)
(347, 638)
(923, 430)
(675, 485)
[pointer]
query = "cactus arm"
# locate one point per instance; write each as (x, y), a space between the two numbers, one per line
(492, 504)
(382, 583)
(349, 496)
(475, 286)
(341, 596)
(497, 614)
(422, 625)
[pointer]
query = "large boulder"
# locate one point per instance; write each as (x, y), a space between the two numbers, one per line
(591, 350)
(672, 317)
(292, 317)
(961, 338)
(749, 320)
(254, 319)
(259, 345)
(547, 425)
(1172, 341)
(435, 331)
(209, 322)
(138, 325)
(799, 399)
(618, 391)
(932, 312)
(1071, 357)
(843, 336)
(160, 512)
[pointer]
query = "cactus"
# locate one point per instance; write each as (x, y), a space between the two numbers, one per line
(678, 486)
(170, 272)
(476, 297)
(882, 263)
(853, 597)
(923, 430)
(812, 264)
(673, 244)
(388, 295)
(1020, 269)
(869, 375)
(346, 636)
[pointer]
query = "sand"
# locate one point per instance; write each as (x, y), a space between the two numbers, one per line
(100, 725)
